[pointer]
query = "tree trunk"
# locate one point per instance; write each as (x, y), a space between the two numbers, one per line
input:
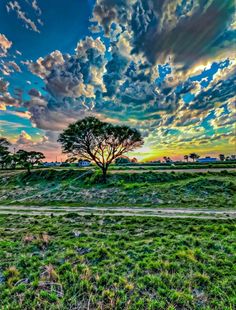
(104, 174)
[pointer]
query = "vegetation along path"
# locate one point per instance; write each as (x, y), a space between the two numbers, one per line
(119, 211)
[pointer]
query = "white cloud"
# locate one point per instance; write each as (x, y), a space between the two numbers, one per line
(15, 7)
(5, 44)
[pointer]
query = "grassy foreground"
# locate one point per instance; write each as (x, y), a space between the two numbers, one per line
(210, 190)
(90, 262)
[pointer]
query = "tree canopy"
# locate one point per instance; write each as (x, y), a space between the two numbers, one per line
(99, 141)
(222, 157)
(4, 151)
(194, 156)
(29, 159)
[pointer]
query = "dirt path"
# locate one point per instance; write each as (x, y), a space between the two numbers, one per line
(120, 211)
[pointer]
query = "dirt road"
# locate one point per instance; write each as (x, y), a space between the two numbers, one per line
(119, 211)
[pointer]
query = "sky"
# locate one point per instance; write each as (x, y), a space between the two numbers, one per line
(167, 68)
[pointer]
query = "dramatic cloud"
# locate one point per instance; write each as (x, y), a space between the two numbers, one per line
(165, 67)
(9, 67)
(219, 91)
(123, 87)
(28, 23)
(5, 44)
(5, 97)
(46, 143)
(73, 75)
(73, 83)
(24, 138)
(166, 28)
(21, 114)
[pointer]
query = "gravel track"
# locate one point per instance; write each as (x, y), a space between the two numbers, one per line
(120, 211)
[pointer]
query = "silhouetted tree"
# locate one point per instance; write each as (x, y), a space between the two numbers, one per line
(186, 157)
(13, 159)
(4, 151)
(222, 157)
(194, 156)
(29, 159)
(167, 159)
(99, 142)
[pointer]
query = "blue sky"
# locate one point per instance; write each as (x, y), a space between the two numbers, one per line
(65, 23)
(166, 68)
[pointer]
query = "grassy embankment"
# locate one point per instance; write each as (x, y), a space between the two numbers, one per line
(74, 262)
(174, 166)
(74, 187)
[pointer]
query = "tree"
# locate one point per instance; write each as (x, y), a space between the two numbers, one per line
(4, 151)
(167, 159)
(122, 160)
(29, 159)
(222, 157)
(9, 161)
(194, 156)
(134, 160)
(186, 158)
(99, 142)
(35, 158)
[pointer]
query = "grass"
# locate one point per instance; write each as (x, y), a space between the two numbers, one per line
(75, 187)
(93, 262)
(107, 262)
(175, 166)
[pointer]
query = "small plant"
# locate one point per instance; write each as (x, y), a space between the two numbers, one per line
(12, 271)
(45, 239)
(12, 275)
(28, 238)
(49, 273)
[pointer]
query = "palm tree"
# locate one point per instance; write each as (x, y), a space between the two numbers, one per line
(167, 159)
(194, 156)
(186, 158)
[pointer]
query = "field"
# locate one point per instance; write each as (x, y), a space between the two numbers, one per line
(73, 187)
(74, 262)
(69, 242)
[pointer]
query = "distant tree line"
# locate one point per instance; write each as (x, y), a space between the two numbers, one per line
(125, 160)
(222, 157)
(193, 156)
(22, 158)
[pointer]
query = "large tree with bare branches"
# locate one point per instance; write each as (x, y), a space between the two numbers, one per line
(99, 142)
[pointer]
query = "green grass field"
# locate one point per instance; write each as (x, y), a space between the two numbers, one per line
(105, 262)
(87, 262)
(70, 187)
